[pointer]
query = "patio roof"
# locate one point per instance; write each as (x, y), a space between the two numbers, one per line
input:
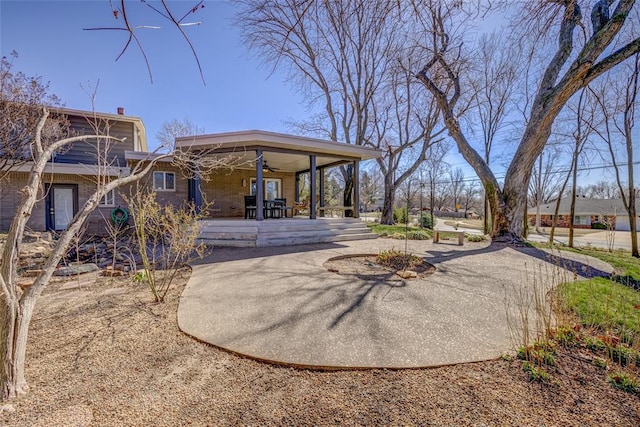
(283, 152)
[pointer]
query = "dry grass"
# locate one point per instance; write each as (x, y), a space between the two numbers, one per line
(106, 355)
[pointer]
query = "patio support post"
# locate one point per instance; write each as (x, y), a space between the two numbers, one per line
(195, 193)
(356, 189)
(297, 187)
(312, 186)
(259, 186)
(321, 189)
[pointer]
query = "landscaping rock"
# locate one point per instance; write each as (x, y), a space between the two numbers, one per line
(407, 274)
(73, 270)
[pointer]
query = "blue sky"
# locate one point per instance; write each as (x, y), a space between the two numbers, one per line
(239, 93)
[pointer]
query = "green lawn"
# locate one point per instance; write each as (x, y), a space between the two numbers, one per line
(621, 260)
(607, 304)
(604, 304)
(398, 231)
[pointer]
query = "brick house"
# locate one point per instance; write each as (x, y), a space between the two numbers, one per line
(266, 166)
(71, 175)
(587, 213)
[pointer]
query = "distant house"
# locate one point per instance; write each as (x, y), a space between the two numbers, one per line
(587, 213)
(70, 176)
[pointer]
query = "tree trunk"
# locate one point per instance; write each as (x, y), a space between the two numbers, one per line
(554, 222)
(487, 213)
(572, 212)
(509, 208)
(633, 223)
(539, 194)
(389, 199)
(19, 318)
(10, 373)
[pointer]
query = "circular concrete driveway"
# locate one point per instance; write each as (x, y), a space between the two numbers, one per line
(282, 305)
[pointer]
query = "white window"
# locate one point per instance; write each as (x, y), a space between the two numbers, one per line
(272, 188)
(109, 199)
(581, 220)
(164, 181)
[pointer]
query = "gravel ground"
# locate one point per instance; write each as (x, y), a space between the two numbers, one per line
(102, 354)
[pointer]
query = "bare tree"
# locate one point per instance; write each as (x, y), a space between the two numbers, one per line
(545, 180)
(584, 115)
(601, 189)
(493, 88)
(456, 181)
(405, 128)
(333, 51)
(622, 114)
(344, 56)
(470, 193)
(369, 190)
(577, 61)
(175, 128)
(130, 25)
(17, 304)
(435, 169)
(18, 301)
(20, 99)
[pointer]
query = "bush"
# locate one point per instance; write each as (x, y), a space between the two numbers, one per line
(425, 220)
(167, 238)
(418, 235)
(624, 382)
(410, 235)
(536, 373)
(598, 226)
(475, 237)
(401, 215)
(394, 258)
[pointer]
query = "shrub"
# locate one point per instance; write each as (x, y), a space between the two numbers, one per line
(594, 344)
(539, 353)
(167, 239)
(623, 355)
(410, 235)
(624, 381)
(598, 226)
(475, 237)
(418, 235)
(600, 362)
(401, 215)
(396, 259)
(566, 336)
(535, 372)
(425, 220)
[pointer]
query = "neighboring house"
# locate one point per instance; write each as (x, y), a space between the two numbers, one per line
(70, 177)
(587, 213)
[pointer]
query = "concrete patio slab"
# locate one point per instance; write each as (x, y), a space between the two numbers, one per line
(282, 305)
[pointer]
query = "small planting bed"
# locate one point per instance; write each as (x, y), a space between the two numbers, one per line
(384, 266)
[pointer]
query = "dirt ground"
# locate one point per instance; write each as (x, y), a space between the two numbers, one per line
(101, 353)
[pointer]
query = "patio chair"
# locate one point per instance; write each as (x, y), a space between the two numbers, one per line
(299, 207)
(278, 208)
(249, 207)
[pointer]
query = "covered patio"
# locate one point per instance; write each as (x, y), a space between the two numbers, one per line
(264, 180)
(268, 166)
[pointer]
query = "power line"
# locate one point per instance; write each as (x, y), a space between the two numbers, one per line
(563, 171)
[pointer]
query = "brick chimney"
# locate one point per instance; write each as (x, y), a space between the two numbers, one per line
(121, 111)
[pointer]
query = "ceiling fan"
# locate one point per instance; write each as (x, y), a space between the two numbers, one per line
(267, 168)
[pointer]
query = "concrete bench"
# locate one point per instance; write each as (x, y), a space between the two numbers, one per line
(460, 234)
